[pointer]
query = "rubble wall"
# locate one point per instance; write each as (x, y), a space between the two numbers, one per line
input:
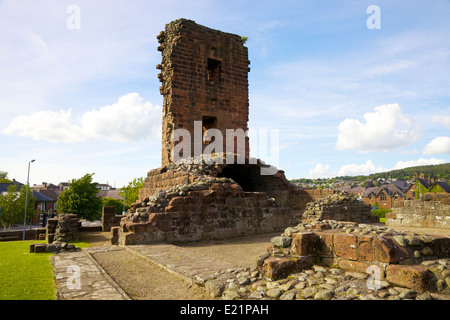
(418, 213)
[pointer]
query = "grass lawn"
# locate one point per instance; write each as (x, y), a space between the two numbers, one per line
(25, 275)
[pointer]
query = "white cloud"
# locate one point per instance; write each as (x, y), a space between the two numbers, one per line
(360, 169)
(320, 171)
(129, 119)
(383, 130)
(445, 120)
(418, 162)
(324, 171)
(438, 145)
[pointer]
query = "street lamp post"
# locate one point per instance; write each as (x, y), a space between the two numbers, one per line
(124, 195)
(26, 201)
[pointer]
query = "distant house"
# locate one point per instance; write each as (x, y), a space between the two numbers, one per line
(52, 194)
(104, 186)
(358, 191)
(422, 186)
(385, 196)
(110, 194)
(43, 203)
(63, 185)
(45, 186)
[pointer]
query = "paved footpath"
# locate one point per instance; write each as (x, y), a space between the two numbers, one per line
(80, 277)
(192, 268)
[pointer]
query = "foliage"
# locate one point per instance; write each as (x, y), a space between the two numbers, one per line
(441, 171)
(420, 190)
(25, 275)
(111, 202)
(131, 191)
(81, 199)
(380, 213)
(244, 39)
(3, 175)
(13, 205)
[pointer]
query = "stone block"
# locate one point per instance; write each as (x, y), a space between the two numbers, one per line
(415, 277)
(281, 241)
(365, 250)
(325, 243)
(276, 268)
(345, 246)
(40, 247)
(353, 265)
(304, 244)
(214, 288)
(388, 250)
(441, 246)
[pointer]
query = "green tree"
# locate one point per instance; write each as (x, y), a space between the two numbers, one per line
(81, 199)
(4, 177)
(131, 191)
(111, 202)
(8, 205)
(12, 205)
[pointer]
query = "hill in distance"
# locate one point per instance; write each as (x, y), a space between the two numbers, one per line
(441, 171)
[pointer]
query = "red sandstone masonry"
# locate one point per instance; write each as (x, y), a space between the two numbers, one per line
(366, 249)
(204, 75)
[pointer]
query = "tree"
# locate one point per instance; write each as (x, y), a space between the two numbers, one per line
(131, 191)
(8, 205)
(4, 177)
(111, 202)
(81, 199)
(12, 205)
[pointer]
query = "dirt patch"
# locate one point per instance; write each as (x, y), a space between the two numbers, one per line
(95, 238)
(142, 280)
(432, 231)
(240, 251)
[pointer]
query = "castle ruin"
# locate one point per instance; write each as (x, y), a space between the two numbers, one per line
(204, 82)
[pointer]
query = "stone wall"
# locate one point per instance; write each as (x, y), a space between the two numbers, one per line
(109, 218)
(63, 228)
(204, 77)
(399, 257)
(262, 203)
(201, 211)
(418, 213)
(341, 206)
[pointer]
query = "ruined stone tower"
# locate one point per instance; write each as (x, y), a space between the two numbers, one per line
(204, 76)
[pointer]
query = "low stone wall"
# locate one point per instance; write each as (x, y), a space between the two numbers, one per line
(418, 213)
(397, 257)
(340, 206)
(110, 219)
(161, 179)
(63, 228)
(199, 212)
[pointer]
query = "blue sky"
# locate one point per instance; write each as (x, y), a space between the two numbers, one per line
(79, 90)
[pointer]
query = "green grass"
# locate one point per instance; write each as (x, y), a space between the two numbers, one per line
(25, 275)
